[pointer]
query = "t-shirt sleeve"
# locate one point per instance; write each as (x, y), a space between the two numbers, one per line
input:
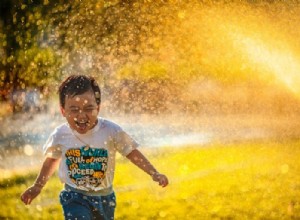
(52, 148)
(124, 142)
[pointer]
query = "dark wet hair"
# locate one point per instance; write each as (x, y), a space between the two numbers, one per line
(77, 85)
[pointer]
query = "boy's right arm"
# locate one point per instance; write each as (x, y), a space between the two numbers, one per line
(47, 170)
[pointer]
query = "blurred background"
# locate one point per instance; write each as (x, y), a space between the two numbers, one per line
(172, 72)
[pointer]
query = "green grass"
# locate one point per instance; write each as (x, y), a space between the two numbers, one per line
(235, 181)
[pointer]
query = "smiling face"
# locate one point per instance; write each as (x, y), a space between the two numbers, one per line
(81, 111)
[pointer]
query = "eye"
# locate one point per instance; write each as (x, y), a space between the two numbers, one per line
(89, 109)
(74, 111)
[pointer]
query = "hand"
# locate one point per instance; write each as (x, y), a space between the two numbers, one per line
(161, 179)
(30, 194)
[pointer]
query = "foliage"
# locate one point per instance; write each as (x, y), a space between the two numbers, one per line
(27, 61)
(234, 181)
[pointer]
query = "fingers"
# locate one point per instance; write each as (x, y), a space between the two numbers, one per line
(25, 199)
(29, 195)
(161, 179)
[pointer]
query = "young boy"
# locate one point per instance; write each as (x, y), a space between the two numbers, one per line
(85, 149)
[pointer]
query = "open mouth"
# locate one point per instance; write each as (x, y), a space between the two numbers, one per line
(82, 125)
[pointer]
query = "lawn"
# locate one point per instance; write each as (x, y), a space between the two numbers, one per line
(232, 181)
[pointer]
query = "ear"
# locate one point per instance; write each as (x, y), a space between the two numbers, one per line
(98, 109)
(62, 110)
(96, 112)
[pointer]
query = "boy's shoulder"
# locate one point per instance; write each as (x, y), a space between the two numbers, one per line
(108, 124)
(62, 128)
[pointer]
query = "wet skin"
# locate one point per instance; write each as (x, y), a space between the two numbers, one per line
(81, 112)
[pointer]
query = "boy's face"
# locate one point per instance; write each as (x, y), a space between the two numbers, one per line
(81, 111)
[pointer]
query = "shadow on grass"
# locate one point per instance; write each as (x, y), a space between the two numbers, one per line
(17, 180)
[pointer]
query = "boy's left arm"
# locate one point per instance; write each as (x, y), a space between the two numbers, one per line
(143, 163)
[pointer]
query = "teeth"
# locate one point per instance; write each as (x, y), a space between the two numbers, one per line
(82, 124)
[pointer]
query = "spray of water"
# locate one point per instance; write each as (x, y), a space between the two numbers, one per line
(218, 43)
(243, 41)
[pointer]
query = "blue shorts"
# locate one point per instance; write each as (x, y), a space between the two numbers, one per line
(79, 206)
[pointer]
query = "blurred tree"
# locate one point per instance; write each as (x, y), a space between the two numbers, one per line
(27, 60)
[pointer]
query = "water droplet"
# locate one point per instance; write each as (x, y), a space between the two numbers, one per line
(28, 150)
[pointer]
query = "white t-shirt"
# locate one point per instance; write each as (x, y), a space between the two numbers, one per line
(88, 160)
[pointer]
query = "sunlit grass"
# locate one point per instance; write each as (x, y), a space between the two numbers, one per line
(234, 181)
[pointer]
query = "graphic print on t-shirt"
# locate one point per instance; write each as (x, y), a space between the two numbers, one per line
(87, 166)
